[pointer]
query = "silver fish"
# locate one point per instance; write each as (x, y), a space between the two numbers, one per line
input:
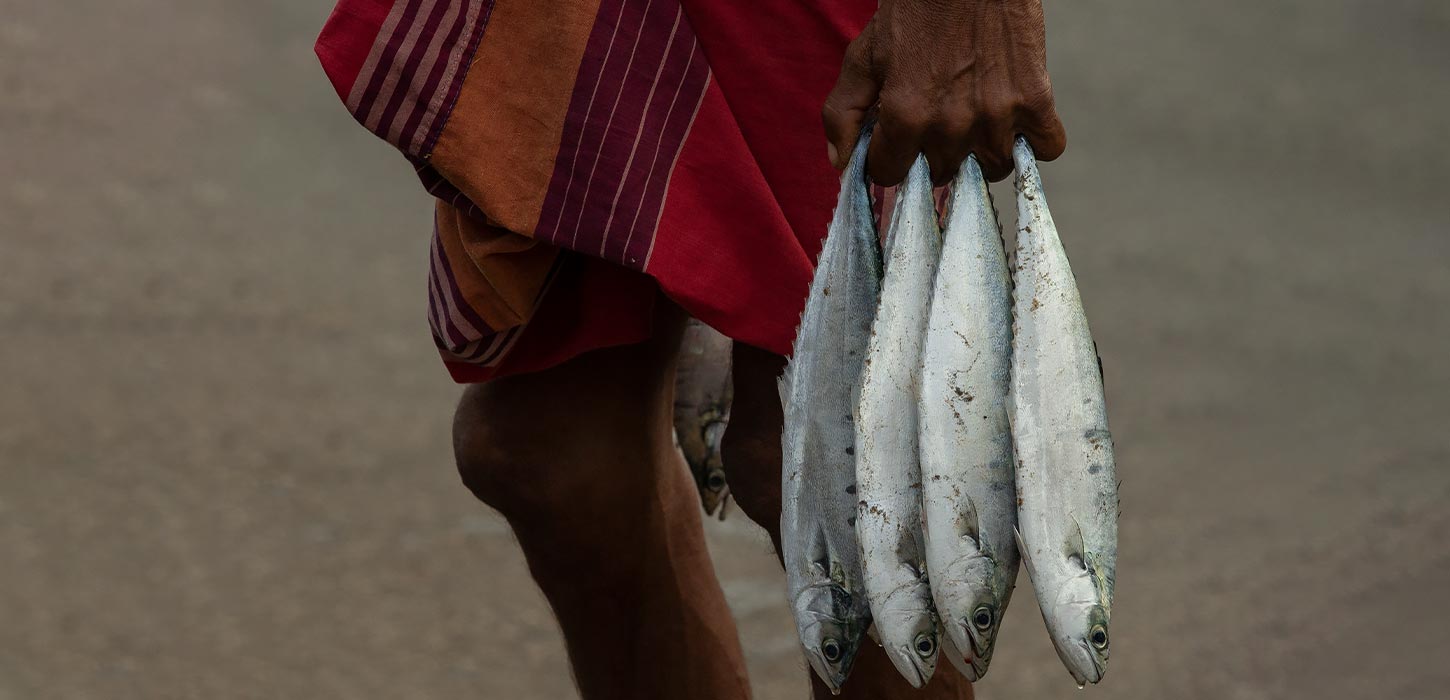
(968, 497)
(818, 478)
(1067, 492)
(888, 473)
(703, 393)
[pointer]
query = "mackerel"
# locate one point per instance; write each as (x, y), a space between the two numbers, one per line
(818, 478)
(703, 393)
(968, 497)
(888, 473)
(1067, 491)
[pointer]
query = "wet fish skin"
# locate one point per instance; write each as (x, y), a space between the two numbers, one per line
(703, 394)
(888, 472)
(968, 494)
(1066, 484)
(818, 479)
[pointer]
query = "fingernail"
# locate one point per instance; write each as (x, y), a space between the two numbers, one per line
(832, 153)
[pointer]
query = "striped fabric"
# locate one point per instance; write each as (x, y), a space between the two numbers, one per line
(641, 83)
(458, 330)
(414, 71)
(572, 145)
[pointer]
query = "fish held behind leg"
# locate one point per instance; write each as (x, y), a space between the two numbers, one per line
(703, 393)
(1067, 515)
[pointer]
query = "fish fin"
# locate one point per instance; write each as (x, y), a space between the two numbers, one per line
(968, 525)
(1076, 548)
(1026, 558)
(819, 553)
(1103, 582)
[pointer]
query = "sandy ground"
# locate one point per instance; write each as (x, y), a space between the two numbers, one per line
(224, 463)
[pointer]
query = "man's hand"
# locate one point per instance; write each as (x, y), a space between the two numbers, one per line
(952, 77)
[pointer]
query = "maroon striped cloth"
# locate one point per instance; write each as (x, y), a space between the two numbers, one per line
(587, 155)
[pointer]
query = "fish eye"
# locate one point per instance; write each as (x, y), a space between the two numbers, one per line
(1099, 637)
(831, 649)
(715, 481)
(982, 618)
(925, 644)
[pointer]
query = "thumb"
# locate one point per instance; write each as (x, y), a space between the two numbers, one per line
(851, 99)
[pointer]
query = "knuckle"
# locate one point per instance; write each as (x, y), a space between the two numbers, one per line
(1000, 113)
(955, 126)
(860, 54)
(904, 115)
(1039, 101)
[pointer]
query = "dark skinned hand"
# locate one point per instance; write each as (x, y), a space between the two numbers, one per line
(951, 78)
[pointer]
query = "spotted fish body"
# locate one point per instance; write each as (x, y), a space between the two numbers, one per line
(1066, 486)
(703, 393)
(968, 496)
(818, 479)
(888, 474)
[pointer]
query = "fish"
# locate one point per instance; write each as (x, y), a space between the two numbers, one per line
(967, 476)
(703, 393)
(1067, 489)
(818, 472)
(888, 471)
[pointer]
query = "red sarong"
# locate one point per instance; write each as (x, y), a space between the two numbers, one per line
(587, 155)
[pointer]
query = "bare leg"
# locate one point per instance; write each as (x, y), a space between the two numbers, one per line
(579, 459)
(752, 464)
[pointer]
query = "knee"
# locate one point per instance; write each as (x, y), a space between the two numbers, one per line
(493, 457)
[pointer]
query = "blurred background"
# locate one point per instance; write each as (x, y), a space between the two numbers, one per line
(225, 468)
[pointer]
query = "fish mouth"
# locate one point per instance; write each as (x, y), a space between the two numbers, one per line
(913, 671)
(825, 674)
(980, 655)
(1092, 672)
(979, 667)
